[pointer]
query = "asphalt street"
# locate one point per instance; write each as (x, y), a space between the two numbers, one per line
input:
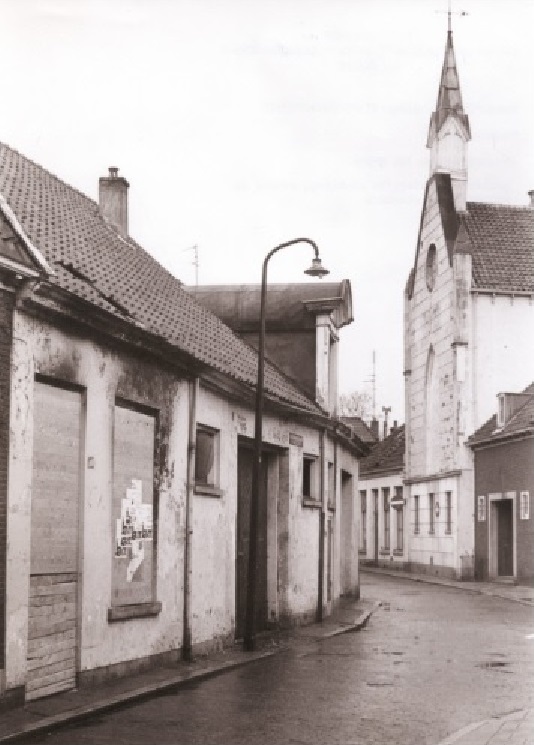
(430, 661)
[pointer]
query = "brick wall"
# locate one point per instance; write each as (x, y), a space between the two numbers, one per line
(6, 318)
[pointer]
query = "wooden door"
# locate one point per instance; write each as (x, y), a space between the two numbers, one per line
(52, 630)
(505, 563)
(244, 490)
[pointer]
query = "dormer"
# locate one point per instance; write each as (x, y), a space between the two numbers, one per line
(508, 404)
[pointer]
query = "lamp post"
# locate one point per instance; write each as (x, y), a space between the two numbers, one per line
(315, 270)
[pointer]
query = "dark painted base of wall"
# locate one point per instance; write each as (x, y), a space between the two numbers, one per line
(12, 697)
(435, 570)
(130, 667)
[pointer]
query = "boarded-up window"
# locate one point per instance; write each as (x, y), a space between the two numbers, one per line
(133, 529)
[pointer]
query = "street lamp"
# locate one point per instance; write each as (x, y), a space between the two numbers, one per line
(315, 270)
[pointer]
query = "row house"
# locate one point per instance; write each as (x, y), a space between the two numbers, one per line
(126, 454)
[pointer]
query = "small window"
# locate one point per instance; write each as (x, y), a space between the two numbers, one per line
(448, 507)
(481, 508)
(417, 523)
(207, 457)
(431, 513)
(431, 267)
(524, 505)
(385, 497)
(309, 477)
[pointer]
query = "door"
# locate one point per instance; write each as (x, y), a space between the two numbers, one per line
(244, 491)
(505, 563)
(52, 628)
(375, 523)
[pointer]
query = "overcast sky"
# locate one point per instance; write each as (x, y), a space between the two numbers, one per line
(241, 124)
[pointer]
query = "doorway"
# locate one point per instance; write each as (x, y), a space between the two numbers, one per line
(505, 538)
(244, 490)
(56, 487)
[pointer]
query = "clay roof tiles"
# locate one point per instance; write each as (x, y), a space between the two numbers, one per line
(386, 455)
(92, 261)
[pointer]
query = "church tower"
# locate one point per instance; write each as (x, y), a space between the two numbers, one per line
(449, 130)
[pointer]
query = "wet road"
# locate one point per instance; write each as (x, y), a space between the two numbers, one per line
(431, 660)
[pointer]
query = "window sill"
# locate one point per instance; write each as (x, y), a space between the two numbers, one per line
(137, 610)
(398, 551)
(204, 490)
(311, 502)
(384, 552)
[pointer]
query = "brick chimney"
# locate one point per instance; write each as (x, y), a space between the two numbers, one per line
(531, 195)
(113, 199)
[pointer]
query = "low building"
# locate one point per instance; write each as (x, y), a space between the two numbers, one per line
(383, 537)
(504, 483)
(126, 459)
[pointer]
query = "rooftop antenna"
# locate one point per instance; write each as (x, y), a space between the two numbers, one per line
(195, 261)
(372, 380)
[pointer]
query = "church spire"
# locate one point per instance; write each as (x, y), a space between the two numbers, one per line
(449, 130)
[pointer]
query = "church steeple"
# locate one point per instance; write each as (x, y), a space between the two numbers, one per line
(449, 130)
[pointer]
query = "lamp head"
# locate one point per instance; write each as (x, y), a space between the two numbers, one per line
(317, 269)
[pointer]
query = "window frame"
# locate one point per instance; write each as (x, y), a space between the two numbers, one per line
(310, 479)
(431, 513)
(387, 517)
(205, 488)
(399, 529)
(363, 520)
(417, 514)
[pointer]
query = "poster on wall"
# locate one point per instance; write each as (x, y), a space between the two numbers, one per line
(133, 529)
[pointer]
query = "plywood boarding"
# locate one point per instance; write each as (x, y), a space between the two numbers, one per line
(51, 659)
(56, 479)
(51, 663)
(133, 475)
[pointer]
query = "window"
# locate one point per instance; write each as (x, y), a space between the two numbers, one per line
(309, 477)
(431, 268)
(400, 528)
(385, 497)
(481, 508)
(134, 556)
(431, 514)
(363, 520)
(207, 457)
(416, 514)
(448, 507)
(524, 505)
(501, 410)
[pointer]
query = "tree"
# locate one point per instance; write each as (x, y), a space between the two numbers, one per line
(356, 403)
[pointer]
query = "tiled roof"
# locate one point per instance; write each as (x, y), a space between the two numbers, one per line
(502, 246)
(386, 455)
(521, 420)
(93, 262)
(359, 427)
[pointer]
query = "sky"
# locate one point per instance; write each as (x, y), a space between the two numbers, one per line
(241, 124)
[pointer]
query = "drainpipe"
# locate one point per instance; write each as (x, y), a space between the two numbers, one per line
(322, 523)
(187, 644)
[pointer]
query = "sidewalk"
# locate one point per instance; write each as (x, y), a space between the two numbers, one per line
(516, 593)
(516, 728)
(54, 711)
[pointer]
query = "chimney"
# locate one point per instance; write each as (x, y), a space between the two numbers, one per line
(531, 195)
(113, 199)
(374, 428)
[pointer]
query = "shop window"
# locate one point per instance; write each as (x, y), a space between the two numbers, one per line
(207, 457)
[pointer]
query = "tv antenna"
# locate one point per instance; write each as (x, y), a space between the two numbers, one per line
(195, 260)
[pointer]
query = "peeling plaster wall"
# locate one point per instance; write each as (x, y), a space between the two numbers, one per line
(39, 347)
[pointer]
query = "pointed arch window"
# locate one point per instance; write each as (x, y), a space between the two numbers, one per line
(431, 268)
(430, 408)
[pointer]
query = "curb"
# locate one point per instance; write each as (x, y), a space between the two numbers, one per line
(174, 683)
(496, 721)
(446, 583)
(137, 694)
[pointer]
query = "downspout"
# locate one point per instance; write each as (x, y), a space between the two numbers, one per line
(322, 521)
(187, 645)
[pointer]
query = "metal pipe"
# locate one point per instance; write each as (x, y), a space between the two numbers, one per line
(187, 643)
(322, 527)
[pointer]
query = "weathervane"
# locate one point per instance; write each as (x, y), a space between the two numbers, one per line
(450, 13)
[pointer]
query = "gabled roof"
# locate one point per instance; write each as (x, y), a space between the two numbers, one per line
(500, 239)
(92, 261)
(386, 455)
(449, 102)
(502, 246)
(521, 422)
